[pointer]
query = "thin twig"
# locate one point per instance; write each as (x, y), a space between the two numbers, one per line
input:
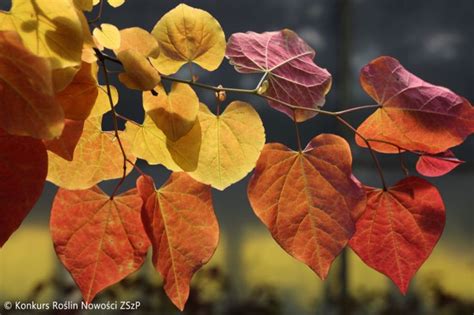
(99, 15)
(114, 117)
(372, 153)
(128, 120)
(298, 136)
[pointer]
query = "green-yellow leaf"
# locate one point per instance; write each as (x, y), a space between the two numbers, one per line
(230, 145)
(148, 142)
(174, 113)
(97, 157)
(186, 34)
(50, 29)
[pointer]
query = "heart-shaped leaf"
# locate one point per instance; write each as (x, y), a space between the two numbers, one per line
(308, 200)
(437, 165)
(180, 221)
(415, 115)
(99, 240)
(399, 229)
(287, 61)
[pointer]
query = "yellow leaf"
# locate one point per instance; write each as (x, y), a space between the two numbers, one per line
(175, 113)
(186, 34)
(97, 157)
(102, 103)
(107, 35)
(230, 145)
(50, 29)
(116, 3)
(139, 73)
(140, 40)
(151, 144)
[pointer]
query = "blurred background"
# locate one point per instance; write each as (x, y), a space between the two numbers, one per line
(250, 273)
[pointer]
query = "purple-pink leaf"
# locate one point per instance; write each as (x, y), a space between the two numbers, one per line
(293, 77)
(437, 165)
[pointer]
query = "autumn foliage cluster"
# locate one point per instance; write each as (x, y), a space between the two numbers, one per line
(51, 108)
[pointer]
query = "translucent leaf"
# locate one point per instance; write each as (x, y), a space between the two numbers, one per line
(186, 34)
(399, 229)
(174, 113)
(107, 35)
(308, 200)
(99, 240)
(180, 221)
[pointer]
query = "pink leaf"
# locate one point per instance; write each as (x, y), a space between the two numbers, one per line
(437, 165)
(293, 77)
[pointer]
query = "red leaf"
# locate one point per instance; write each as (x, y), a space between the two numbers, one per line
(99, 240)
(183, 229)
(415, 115)
(308, 200)
(65, 145)
(23, 168)
(292, 75)
(399, 229)
(437, 165)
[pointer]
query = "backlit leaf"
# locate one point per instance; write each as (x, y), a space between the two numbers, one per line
(116, 3)
(107, 35)
(23, 167)
(437, 165)
(140, 40)
(97, 158)
(186, 34)
(292, 75)
(102, 103)
(139, 73)
(50, 29)
(308, 200)
(65, 145)
(230, 144)
(183, 229)
(27, 103)
(78, 98)
(148, 142)
(399, 229)
(85, 5)
(174, 113)
(415, 115)
(99, 240)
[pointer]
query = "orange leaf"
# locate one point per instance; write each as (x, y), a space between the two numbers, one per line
(78, 98)
(65, 145)
(399, 228)
(139, 73)
(179, 218)
(23, 168)
(27, 104)
(99, 240)
(415, 115)
(308, 200)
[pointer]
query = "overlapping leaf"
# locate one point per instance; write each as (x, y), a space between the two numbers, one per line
(437, 165)
(287, 61)
(65, 145)
(79, 97)
(399, 229)
(27, 103)
(102, 102)
(50, 29)
(107, 35)
(99, 240)
(97, 158)
(230, 144)
(186, 34)
(138, 39)
(415, 115)
(174, 113)
(23, 167)
(183, 229)
(148, 142)
(308, 200)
